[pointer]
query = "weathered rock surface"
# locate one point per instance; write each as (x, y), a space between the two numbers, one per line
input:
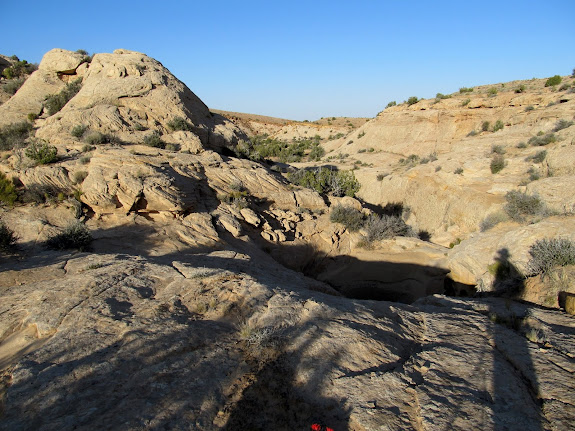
(223, 341)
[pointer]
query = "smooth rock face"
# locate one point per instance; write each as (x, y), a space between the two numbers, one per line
(220, 341)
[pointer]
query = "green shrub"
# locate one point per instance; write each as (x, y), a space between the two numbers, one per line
(410, 160)
(492, 92)
(485, 126)
(520, 89)
(82, 51)
(380, 177)
(539, 157)
(498, 125)
(8, 193)
(412, 101)
(351, 218)
(40, 193)
(7, 238)
(179, 123)
(14, 135)
(465, 102)
(386, 226)
(74, 236)
(542, 140)
(463, 90)
(492, 220)
(13, 85)
(554, 80)
(79, 177)
(441, 96)
(41, 152)
(497, 149)
(521, 145)
(316, 153)
(56, 102)
(472, 133)
(32, 116)
(562, 124)
(19, 69)
(529, 108)
(95, 138)
(85, 160)
(324, 180)
(154, 140)
(458, 171)
(78, 130)
(497, 163)
(519, 205)
(390, 104)
(549, 253)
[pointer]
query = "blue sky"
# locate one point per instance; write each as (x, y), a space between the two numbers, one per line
(306, 60)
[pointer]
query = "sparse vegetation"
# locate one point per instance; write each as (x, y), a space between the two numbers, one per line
(79, 177)
(562, 124)
(78, 130)
(410, 161)
(458, 171)
(497, 164)
(520, 205)
(412, 100)
(8, 193)
(529, 108)
(19, 69)
(41, 152)
(498, 149)
(179, 123)
(390, 104)
(386, 226)
(324, 180)
(464, 90)
(547, 254)
(542, 139)
(465, 102)
(7, 238)
(485, 126)
(521, 145)
(498, 125)
(74, 236)
(492, 220)
(14, 135)
(492, 92)
(380, 177)
(56, 102)
(553, 81)
(520, 89)
(539, 157)
(350, 217)
(154, 140)
(13, 85)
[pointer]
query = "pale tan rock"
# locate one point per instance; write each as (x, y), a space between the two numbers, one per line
(250, 217)
(230, 224)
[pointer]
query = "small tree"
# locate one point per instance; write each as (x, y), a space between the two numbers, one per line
(41, 152)
(412, 100)
(553, 81)
(7, 190)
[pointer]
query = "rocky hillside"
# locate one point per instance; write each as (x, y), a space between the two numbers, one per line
(160, 270)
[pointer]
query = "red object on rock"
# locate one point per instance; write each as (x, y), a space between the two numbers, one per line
(316, 427)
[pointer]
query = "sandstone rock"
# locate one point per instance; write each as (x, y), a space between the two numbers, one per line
(250, 217)
(230, 224)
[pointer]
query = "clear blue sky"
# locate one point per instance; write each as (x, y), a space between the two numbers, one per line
(306, 60)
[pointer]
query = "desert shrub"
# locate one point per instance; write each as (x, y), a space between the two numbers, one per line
(498, 125)
(74, 236)
(562, 124)
(539, 157)
(172, 147)
(85, 160)
(441, 96)
(14, 135)
(41, 152)
(380, 177)
(492, 220)
(497, 163)
(79, 176)
(492, 92)
(386, 226)
(362, 150)
(519, 205)
(13, 85)
(7, 238)
(154, 140)
(410, 160)
(179, 123)
(463, 90)
(458, 171)
(412, 100)
(350, 217)
(316, 153)
(32, 116)
(529, 108)
(554, 80)
(564, 87)
(56, 102)
(390, 104)
(19, 69)
(465, 102)
(549, 253)
(520, 89)
(542, 140)
(498, 149)
(521, 145)
(78, 130)
(472, 133)
(87, 147)
(485, 126)
(324, 180)
(8, 193)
